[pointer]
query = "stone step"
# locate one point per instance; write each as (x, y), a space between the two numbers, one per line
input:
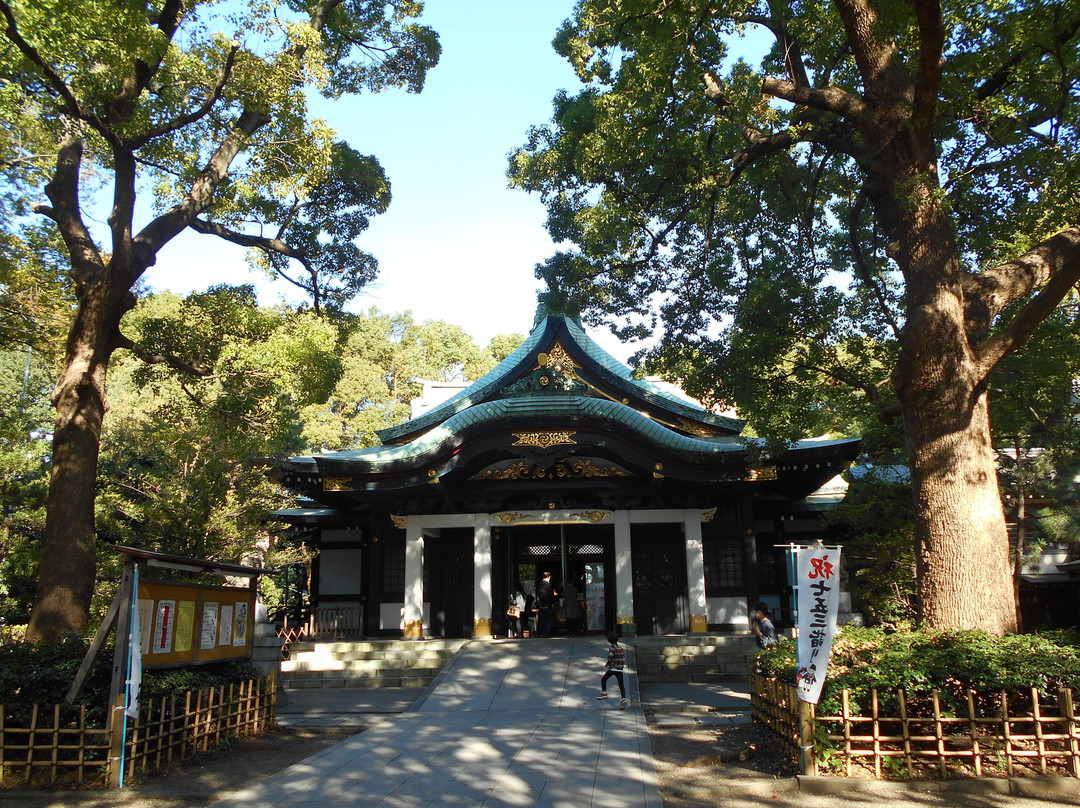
(682, 677)
(379, 646)
(676, 656)
(437, 657)
(392, 663)
(704, 659)
(343, 682)
(645, 669)
(359, 666)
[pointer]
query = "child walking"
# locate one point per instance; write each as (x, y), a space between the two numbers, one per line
(616, 661)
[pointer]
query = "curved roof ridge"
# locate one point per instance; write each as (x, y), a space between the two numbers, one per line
(498, 409)
(645, 389)
(491, 382)
(619, 375)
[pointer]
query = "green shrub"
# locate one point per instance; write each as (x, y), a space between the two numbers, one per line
(42, 674)
(919, 662)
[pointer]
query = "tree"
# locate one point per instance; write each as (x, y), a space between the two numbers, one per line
(25, 380)
(885, 202)
(202, 106)
(184, 461)
(874, 525)
(384, 358)
(1035, 410)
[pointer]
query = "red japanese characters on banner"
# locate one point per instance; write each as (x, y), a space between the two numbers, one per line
(817, 571)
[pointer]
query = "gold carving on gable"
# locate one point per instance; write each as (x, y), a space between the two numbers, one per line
(761, 474)
(566, 468)
(591, 516)
(557, 359)
(399, 521)
(545, 440)
(694, 428)
(337, 484)
(509, 517)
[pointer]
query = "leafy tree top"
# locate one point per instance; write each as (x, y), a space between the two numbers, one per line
(756, 209)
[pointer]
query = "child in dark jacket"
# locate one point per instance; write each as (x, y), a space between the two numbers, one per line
(616, 662)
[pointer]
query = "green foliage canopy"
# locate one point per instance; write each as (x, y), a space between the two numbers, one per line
(878, 211)
(384, 360)
(201, 107)
(725, 200)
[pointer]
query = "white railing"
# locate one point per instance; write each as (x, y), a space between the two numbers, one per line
(336, 620)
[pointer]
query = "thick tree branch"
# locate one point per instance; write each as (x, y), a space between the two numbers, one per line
(135, 83)
(835, 136)
(1055, 263)
(63, 191)
(166, 226)
(196, 369)
(928, 82)
(270, 245)
(793, 56)
(199, 112)
(54, 80)
(883, 73)
(831, 99)
(123, 210)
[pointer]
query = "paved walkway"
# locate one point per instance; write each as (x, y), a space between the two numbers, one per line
(507, 723)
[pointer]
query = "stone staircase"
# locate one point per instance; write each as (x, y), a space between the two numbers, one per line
(707, 658)
(373, 663)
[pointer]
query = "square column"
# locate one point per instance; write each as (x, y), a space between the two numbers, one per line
(697, 603)
(482, 598)
(624, 576)
(414, 579)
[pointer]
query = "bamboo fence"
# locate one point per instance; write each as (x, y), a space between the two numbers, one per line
(165, 731)
(985, 737)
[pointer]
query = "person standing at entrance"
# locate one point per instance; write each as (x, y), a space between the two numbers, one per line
(616, 662)
(545, 603)
(572, 608)
(515, 612)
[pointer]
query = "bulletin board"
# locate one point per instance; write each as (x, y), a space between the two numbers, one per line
(186, 624)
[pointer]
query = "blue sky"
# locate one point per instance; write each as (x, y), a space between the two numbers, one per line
(456, 244)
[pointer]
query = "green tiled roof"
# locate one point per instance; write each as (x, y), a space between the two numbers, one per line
(521, 361)
(575, 411)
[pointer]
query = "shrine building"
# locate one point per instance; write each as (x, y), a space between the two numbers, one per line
(558, 460)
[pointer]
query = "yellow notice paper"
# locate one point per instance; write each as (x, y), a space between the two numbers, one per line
(185, 625)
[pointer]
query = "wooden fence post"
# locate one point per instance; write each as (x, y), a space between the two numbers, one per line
(806, 738)
(116, 740)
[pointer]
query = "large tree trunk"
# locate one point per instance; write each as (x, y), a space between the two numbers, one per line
(962, 546)
(965, 578)
(66, 577)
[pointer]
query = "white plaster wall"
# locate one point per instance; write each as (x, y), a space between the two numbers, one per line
(392, 616)
(728, 611)
(339, 571)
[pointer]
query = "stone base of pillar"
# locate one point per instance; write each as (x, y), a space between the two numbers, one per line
(414, 629)
(482, 627)
(699, 624)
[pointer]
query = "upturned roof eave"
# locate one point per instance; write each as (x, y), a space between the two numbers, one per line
(521, 361)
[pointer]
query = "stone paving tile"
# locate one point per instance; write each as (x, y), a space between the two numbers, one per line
(488, 735)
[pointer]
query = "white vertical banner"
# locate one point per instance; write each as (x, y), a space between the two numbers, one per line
(817, 581)
(135, 648)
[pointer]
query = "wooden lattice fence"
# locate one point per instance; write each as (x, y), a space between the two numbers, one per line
(1000, 735)
(62, 747)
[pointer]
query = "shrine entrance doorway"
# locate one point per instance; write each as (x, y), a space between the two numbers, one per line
(584, 554)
